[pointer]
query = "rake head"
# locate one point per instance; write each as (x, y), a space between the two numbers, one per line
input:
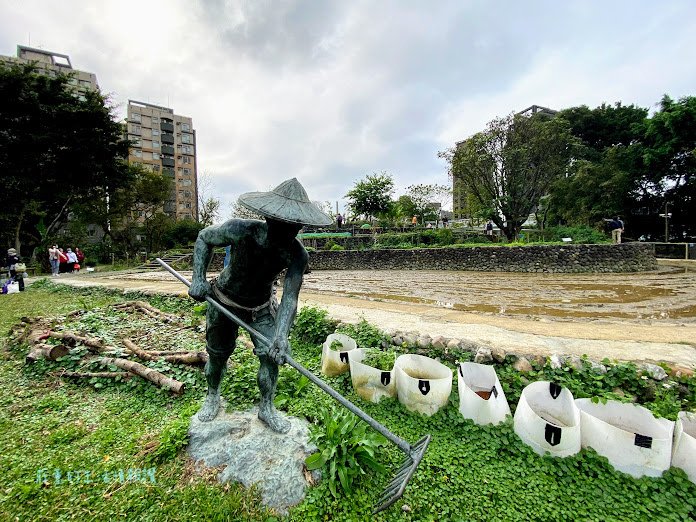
(395, 488)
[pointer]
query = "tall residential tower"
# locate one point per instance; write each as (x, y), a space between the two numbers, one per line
(165, 142)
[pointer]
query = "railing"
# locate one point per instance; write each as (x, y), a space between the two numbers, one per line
(675, 250)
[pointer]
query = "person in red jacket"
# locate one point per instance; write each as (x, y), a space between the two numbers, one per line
(63, 259)
(80, 259)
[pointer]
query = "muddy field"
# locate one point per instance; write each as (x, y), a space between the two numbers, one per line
(668, 294)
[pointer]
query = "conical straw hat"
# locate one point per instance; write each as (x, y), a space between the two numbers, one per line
(287, 202)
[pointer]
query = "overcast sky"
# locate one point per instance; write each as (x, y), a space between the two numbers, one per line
(329, 92)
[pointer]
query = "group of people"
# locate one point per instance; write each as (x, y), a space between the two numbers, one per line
(65, 261)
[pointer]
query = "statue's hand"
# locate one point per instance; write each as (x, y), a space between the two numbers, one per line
(199, 290)
(280, 350)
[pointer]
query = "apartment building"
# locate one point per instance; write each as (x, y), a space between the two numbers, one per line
(166, 142)
(53, 64)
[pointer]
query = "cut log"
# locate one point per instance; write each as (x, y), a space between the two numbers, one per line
(151, 375)
(46, 351)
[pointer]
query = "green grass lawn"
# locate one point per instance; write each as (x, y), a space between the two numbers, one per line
(469, 472)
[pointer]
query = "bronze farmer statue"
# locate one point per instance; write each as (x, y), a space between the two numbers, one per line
(260, 252)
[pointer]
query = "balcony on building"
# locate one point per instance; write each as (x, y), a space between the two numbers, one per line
(169, 172)
(167, 138)
(167, 162)
(166, 126)
(168, 149)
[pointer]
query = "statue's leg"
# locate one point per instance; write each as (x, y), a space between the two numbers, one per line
(268, 380)
(221, 336)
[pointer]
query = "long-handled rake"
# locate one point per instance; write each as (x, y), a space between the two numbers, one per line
(414, 454)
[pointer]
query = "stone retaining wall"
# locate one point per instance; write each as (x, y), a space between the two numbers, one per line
(626, 257)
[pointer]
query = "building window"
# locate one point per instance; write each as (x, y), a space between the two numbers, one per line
(188, 205)
(187, 172)
(186, 138)
(155, 156)
(186, 183)
(135, 129)
(155, 144)
(185, 127)
(155, 132)
(137, 153)
(181, 193)
(179, 170)
(135, 140)
(187, 149)
(187, 193)
(186, 159)
(156, 168)
(155, 119)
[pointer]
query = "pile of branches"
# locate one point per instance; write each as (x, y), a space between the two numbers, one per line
(36, 332)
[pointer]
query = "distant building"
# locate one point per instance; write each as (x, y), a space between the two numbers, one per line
(165, 142)
(458, 192)
(52, 63)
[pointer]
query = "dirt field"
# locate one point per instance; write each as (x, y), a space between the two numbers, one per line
(645, 316)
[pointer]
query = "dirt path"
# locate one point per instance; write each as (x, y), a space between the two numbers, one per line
(639, 317)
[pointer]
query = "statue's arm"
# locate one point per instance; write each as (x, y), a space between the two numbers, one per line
(288, 303)
(208, 238)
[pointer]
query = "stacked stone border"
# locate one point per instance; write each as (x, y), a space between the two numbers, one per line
(454, 350)
(627, 257)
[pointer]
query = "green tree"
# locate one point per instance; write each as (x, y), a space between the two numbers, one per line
(670, 162)
(424, 196)
(58, 147)
(208, 211)
(509, 166)
(371, 196)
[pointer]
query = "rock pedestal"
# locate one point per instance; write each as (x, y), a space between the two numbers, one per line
(254, 454)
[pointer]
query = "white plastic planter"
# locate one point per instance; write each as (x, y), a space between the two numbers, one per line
(547, 419)
(633, 440)
(423, 385)
(481, 397)
(372, 384)
(335, 361)
(684, 454)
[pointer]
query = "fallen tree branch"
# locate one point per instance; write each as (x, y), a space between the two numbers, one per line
(196, 358)
(86, 375)
(46, 351)
(148, 310)
(151, 375)
(93, 344)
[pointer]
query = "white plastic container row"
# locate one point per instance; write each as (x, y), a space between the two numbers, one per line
(372, 384)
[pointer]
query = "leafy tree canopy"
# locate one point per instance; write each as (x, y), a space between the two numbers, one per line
(509, 166)
(371, 196)
(58, 147)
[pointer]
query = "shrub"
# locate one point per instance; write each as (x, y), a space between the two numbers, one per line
(336, 247)
(313, 325)
(346, 449)
(580, 234)
(365, 334)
